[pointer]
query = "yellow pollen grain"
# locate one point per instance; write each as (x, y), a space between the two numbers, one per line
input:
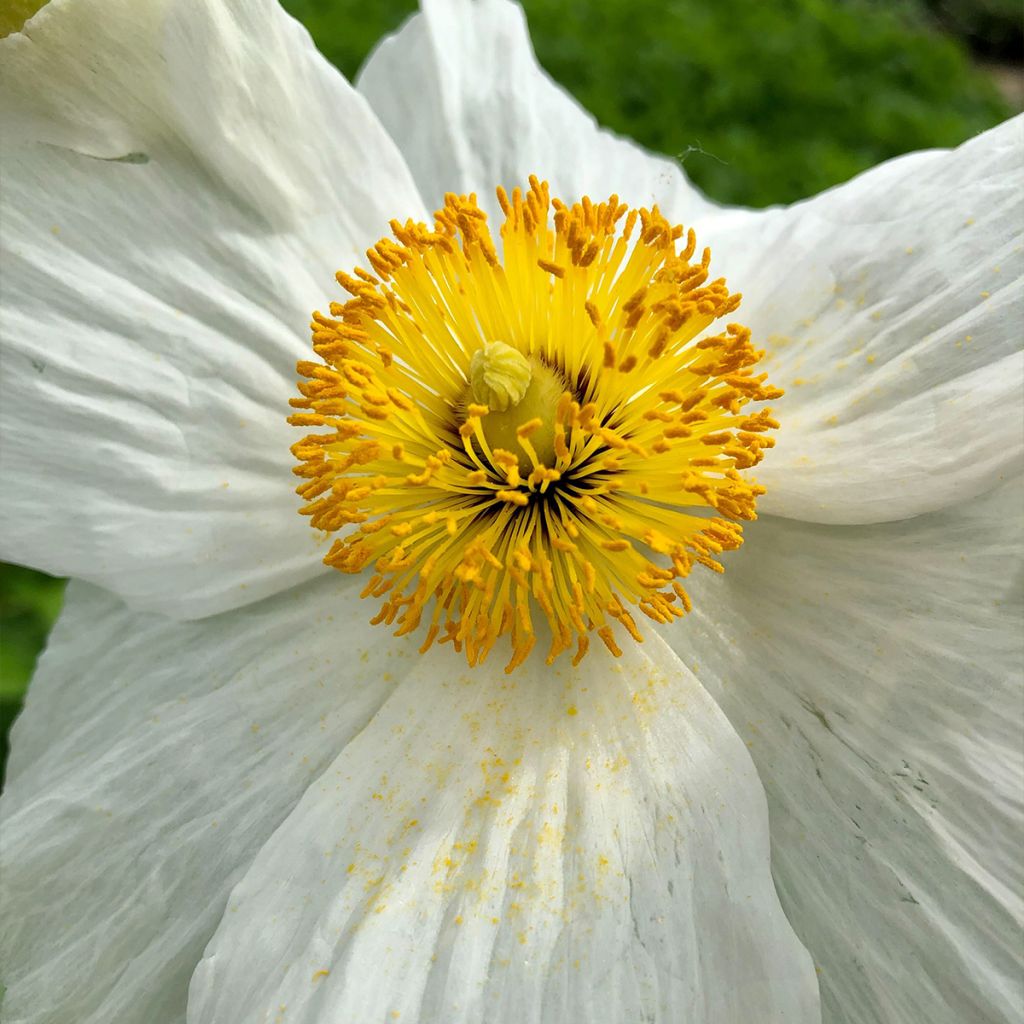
(560, 432)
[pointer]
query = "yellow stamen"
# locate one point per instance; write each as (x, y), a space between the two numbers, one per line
(545, 432)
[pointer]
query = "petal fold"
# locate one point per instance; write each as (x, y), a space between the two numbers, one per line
(460, 90)
(876, 674)
(151, 763)
(892, 308)
(181, 181)
(558, 845)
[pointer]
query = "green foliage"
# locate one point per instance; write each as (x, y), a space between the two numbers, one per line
(786, 98)
(15, 13)
(29, 603)
(346, 30)
(763, 102)
(994, 27)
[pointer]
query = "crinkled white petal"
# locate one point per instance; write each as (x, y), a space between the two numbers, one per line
(153, 760)
(893, 310)
(461, 92)
(181, 180)
(558, 845)
(876, 675)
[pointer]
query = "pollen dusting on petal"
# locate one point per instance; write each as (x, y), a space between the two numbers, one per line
(559, 432)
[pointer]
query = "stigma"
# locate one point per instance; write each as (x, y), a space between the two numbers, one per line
(520, 395)
(555, 435)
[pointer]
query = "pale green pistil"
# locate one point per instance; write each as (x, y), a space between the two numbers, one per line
(516, 389)
(499, 376)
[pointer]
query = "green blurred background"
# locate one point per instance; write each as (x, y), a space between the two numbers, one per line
(763, 102)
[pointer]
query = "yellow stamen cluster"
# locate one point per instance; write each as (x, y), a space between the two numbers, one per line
(637, 410)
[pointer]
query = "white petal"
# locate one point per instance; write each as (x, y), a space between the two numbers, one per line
(462, 94)
(153, 760)
(893, 309)
(181, 181)
(875, 673)
(558, 845)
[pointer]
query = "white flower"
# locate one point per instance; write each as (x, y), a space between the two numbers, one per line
(230, 800)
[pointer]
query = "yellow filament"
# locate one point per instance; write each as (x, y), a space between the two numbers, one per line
(556, 431)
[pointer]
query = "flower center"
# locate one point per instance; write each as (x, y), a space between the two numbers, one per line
(556, 431)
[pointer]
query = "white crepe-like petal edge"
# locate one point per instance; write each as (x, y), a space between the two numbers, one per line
(180, 185)
(151, 763)
(877, 675)
(460, 90)
(559, 845)
(892, 309)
